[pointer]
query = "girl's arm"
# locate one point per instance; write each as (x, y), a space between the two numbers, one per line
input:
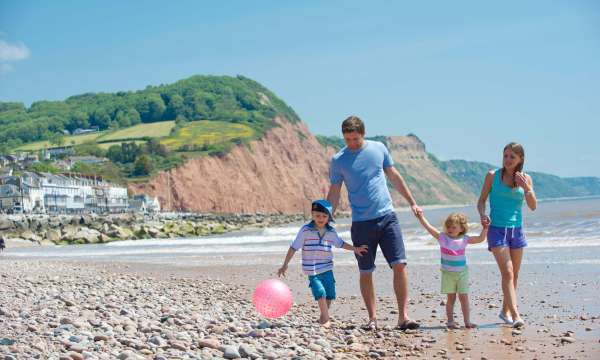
(357, 250)
(433, 231)
(485, 191)
(481, 237)
(288, 257)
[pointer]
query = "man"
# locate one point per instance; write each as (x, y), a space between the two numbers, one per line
(363, 166)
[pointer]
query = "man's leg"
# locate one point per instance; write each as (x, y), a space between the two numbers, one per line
(368, 293)
(365, 233)
(392, 246)
(401, 290)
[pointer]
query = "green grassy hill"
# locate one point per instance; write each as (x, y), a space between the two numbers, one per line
(236, 100)
(472, 173)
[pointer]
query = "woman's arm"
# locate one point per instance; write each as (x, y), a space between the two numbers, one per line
(485, 191)
(525, 181)
(432, 230)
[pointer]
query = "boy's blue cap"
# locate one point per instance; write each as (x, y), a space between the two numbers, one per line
(323, 206)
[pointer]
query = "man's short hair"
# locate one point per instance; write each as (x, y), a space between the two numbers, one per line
(352, 124)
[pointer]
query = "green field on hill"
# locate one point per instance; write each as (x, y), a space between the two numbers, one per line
(205, 133)
(68, 141)
(108, 138)
(150, 130)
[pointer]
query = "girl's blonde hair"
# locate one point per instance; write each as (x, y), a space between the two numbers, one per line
(457, 219)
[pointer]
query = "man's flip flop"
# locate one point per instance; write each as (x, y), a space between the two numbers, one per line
(408, 325)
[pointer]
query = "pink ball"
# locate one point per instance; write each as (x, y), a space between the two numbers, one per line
(272, 298)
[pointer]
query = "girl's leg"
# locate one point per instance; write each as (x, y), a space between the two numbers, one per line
(324, 319)
(451, 299)
(502, 256)
(464, 305)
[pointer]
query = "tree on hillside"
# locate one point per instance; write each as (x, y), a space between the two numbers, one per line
(57, 140)
(142, 166)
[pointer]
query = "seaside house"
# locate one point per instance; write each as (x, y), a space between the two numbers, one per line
(144, 203)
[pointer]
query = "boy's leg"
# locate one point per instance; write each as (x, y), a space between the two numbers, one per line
(324, 318)
(451, 299)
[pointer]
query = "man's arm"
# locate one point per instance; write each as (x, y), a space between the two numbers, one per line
(399, 184)
(333, 196)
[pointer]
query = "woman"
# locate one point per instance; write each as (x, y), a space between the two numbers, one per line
(507, 188)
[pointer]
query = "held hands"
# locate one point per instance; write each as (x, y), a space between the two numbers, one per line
(485, 220)
(282, 270)
(416, 210)
(361, 250)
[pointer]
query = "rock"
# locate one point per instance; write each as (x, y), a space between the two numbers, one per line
(567, 340)
(101, 338)
(7, 342)
(6, 224)
(209, 343)
(75, 355)
(231, 352)
(247, 351)
(158, 341)
(52, 235)
(264, 324)
(86, 235)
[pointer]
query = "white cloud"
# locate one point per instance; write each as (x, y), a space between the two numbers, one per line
(11, 53)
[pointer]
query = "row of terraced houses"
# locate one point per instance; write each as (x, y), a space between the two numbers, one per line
(33, 192)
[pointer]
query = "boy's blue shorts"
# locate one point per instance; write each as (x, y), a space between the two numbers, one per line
(322, 285)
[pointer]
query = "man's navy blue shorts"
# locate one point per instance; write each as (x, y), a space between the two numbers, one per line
(383, 232)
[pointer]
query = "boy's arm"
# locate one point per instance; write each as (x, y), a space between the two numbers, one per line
(357, 250)
(479, 238)
(288, 257)
(433, 231)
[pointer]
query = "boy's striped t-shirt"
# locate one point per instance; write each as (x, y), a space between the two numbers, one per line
(453, 252)
(317, 254)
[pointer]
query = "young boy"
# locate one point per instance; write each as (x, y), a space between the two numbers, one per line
(316, 240)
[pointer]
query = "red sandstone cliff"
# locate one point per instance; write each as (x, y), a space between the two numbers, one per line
(283, 172)
(280, 173)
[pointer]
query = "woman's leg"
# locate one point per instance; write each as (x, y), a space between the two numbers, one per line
(516, 256)
(502, 256)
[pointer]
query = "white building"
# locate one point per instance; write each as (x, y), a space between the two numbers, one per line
(62, 193)
(144, 203)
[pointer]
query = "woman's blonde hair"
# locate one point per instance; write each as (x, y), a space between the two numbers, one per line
(457, 219)
(520, 151)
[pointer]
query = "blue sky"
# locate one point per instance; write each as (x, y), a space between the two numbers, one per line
(465, 76)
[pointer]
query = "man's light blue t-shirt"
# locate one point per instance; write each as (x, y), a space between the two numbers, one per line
(362, 172)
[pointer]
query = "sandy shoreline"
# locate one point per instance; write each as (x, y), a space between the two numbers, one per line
(105, 292)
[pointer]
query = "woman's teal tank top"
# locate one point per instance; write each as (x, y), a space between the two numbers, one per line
(506, 203)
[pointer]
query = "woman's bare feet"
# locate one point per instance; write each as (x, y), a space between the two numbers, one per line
(470, 325)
